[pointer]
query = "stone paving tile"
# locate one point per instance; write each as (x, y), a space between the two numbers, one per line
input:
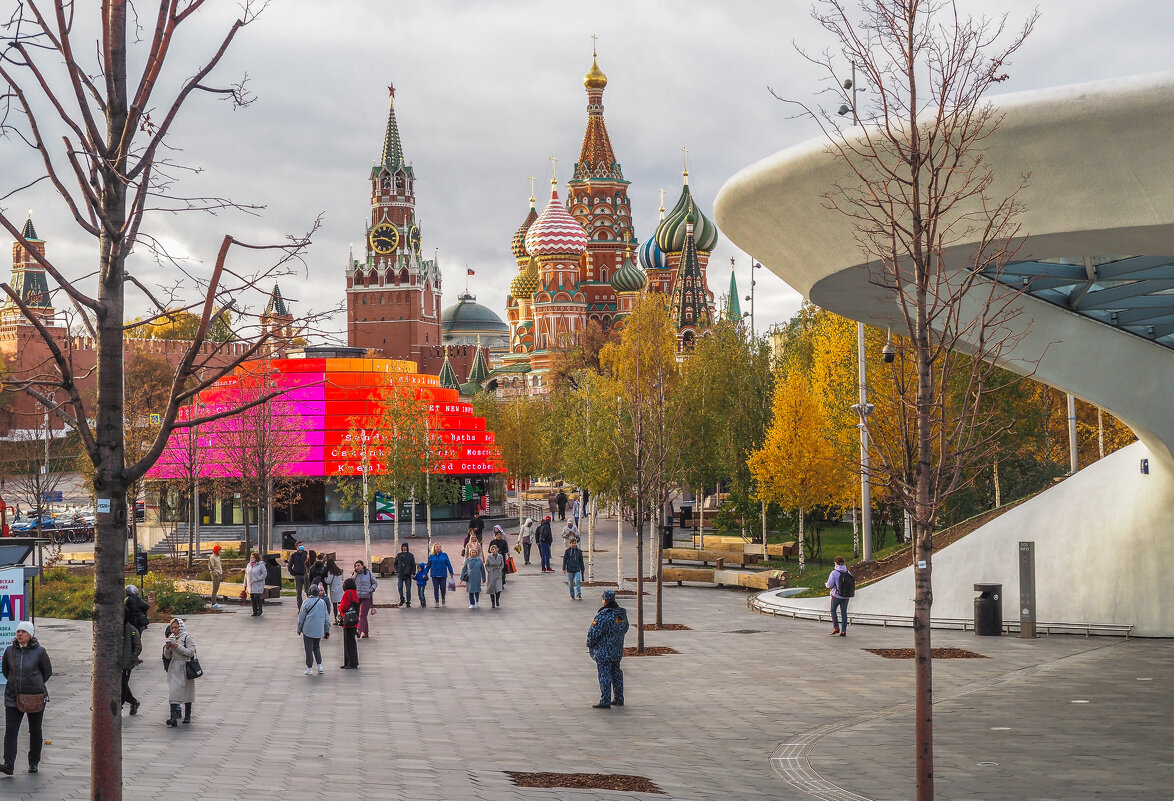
(447, 699)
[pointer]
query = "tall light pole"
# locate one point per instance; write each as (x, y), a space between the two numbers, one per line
(754, 266)
(862, 409)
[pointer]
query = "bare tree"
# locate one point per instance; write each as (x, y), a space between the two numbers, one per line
(34, 465)
(922, 210)
(99, 117)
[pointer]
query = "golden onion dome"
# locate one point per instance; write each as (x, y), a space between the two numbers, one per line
(595, 79)
(525, 283)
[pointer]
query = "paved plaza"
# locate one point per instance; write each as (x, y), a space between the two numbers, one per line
(753, 707)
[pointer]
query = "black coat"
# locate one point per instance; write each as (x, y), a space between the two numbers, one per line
(543, 532)
(297, 563)
(136, 612)
(503, 547)
(405, 564)
(478, 525)
(573, 560)
(26, 668)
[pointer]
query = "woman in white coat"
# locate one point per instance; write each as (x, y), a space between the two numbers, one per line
(180, 648)
(255, 575)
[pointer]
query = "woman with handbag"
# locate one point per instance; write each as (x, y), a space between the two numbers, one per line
(495, 569)
(333, 579)
(255, 575)
(473, 573)
(440, 569)
(26, 668)
(179, 656)
(365, 586)
(525, 539)
(348, 607)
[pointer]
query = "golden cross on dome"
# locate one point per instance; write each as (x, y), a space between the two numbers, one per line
(532, 180)
(554, 169)
(662, 204)
(685, 159)
(594, 43)
(391, 90)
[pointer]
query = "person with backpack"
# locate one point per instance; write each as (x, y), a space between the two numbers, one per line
(843, 587)
(545, 538)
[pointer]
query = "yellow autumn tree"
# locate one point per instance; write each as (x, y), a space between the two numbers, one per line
(798, 466)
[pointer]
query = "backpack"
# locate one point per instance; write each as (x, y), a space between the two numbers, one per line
(847, 588)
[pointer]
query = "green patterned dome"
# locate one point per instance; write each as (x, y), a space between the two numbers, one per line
(525, 283)
(670, 234)
(629, 278)
(518, 245)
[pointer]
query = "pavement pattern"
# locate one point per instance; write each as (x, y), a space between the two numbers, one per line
(753, 707)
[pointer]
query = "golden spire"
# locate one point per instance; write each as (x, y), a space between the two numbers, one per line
(532, 179)
(685, 158)
(662, 204)
(595, 79)
(554, 171)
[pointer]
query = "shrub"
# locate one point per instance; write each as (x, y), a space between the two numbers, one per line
(64, 594)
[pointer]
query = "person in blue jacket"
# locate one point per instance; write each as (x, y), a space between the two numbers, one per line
(422, 583)
(439, 568)
(605, 643)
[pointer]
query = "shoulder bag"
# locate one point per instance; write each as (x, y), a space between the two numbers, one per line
(30, 703)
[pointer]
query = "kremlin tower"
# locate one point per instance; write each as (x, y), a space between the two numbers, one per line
(393, 295)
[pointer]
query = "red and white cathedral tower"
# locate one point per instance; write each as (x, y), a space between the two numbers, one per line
(557, 242)
(393, 295)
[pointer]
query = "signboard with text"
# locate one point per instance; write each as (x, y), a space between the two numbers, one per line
(12, 605)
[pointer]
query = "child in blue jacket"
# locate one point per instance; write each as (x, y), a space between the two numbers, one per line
(421, 582)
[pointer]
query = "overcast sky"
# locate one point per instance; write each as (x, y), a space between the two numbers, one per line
(486, 91)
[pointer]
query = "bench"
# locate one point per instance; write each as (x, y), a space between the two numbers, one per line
(758, 580)
(784, 550)
(717, 558)
(679, 574)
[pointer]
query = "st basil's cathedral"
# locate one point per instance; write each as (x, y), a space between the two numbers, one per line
(577, 262)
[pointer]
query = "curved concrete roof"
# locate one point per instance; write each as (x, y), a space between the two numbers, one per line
(1100, 183)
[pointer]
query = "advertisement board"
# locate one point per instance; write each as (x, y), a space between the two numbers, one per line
(12, 605)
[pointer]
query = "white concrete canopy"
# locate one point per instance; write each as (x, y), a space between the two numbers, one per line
(1101, 184)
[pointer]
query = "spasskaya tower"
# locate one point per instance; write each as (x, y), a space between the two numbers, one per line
(393, 295)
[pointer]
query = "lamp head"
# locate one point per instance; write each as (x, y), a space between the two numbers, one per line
(844, 109)
(889, 353)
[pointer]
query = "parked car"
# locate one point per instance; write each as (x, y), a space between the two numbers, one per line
(30, 523)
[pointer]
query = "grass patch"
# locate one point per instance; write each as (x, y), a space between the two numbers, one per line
(68, 594)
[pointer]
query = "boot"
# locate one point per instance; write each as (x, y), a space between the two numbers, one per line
(187, 713)
(173, 717)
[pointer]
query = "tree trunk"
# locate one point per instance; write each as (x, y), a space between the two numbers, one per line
(394, 527)
(701, 519)
(639, 575)
(428, 507)
(590, 537)
(802, 543)
(659, 534)
(619, 547)
(855, 533)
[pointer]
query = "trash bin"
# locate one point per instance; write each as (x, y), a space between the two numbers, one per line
(289, 540)
(666, 536)
(988, 610)
(272, 570)
(686, 516)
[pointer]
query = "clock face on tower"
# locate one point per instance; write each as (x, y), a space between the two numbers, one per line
(414, 239)
(384, 238)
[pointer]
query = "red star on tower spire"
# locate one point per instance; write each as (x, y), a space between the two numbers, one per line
(391, 90)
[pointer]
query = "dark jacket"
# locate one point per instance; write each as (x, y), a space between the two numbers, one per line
(132, 646)
(136, 612)
(26, 669)
(297, 563)
(561, 500)
(503, 547)
(573, 560)
(478, 525)
(543, 533)
(405, 564)
(439, 566)
(317, 573)
(605, 638)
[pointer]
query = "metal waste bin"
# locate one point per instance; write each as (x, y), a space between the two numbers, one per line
(289, 540)
(666, 536)
(272, 570)
(988, 610)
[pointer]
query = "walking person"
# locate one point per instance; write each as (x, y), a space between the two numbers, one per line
(216, 568)
(502, 547)
(365, 586)
(333, 580)
(132, 646)
(405, 568)
(843, 586)
(552, 503)
(255, 575)
(573, 568)
(605, 644)
(349, 607)
(422, 584)
(561, 501)
(569, 531)
(297, 568)
(526, 538)
(135, 609)
(477, 526)
(317, 572)
(473, 573)
(495, 573)
(545, 539)
(314, 626)
(576, 509)
(179, 649)
(26, 668)
(439, 568)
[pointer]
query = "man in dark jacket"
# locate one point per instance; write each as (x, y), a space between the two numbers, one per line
(26, 668)
(297, 569)
(545, 538)
(132, 646)
(561, 500)
(405, 569)
(605, 643)
(573, 568)
(136, 609)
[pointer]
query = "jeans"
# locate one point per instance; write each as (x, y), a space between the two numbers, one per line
(544, 551)
(313, 650)
(350, 647)
(12, 718)
(300, 586)
(842, 605)
(421, 591)
(573, 580)
(526, 552)
(258, 602)
(439, 588)
(405, 589)
(474, 597)
(611, 682)
(364, 610)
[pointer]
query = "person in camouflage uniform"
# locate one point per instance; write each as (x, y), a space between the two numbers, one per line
(605, 643)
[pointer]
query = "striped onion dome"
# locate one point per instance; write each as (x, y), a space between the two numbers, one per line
(519, 244)
(670, 234)
(556, 232)
(525, 283)
(651, 256)
(629, 278)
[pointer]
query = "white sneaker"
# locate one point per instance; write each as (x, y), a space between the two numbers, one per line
(309, 671)
(471, 606)
(321, 670)
(215, 606)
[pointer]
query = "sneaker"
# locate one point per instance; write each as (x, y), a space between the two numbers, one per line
(6, 770)
(215, 606)
(471, 606)
(309, 671)
(833, 632)
(33, 768)
(844, 633)
(601, 706)
(321, 670)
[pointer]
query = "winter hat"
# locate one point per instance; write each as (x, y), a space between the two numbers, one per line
(609, 595)
(216, 549)
(25, 625)
(132, 589)
(498, 530)
(548, 517)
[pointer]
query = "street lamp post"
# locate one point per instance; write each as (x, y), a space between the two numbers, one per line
(753, 281)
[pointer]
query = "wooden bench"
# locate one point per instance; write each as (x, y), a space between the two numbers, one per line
(383, 565)
(679, 574)
(758, 580)
(227, 589)
(784, 550)
(717, 558)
